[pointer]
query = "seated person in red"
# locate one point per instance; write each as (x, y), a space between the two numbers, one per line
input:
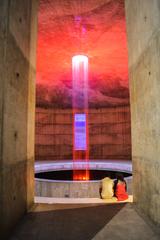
(120, 188)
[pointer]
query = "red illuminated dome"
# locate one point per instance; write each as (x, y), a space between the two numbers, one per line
(95, 28)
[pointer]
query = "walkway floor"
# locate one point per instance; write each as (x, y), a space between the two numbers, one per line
(83, 222)
(79, 200)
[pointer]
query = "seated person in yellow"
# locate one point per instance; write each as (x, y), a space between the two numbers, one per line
(107, 191)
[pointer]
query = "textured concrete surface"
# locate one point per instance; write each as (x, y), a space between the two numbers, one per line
(17, 105)
(79, 200)
(60, 189)
(109, 133)
(49, 188)
(143, 25)
(83, 222)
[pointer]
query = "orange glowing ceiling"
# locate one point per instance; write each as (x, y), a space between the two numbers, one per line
(94, 28)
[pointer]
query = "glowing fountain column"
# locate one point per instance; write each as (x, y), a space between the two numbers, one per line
(80, 116)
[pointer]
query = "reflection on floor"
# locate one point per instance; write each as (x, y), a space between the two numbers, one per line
(83, 222)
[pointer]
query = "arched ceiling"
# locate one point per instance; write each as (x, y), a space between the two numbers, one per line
(94, 28)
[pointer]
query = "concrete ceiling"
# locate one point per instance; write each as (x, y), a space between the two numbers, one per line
(94, 28)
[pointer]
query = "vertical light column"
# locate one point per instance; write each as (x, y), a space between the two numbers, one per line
(80, 116)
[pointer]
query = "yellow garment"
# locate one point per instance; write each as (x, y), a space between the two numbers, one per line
(107, 188)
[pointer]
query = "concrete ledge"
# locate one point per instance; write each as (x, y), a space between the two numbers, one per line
(79, 200)
(115, 165)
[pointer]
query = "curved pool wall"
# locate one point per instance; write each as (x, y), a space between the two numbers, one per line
(77, 189)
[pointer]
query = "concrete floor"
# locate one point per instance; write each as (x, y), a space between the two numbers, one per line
(83, 222)
(80, 200)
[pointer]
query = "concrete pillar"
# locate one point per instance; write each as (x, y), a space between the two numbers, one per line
(18, 30)
(143, 30)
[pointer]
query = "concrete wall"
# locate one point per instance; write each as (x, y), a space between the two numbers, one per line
(109, 133)
(18, 29)
(47, 188)
(67, 189)
(143, 27)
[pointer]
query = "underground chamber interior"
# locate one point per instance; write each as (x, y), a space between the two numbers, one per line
(82, 90)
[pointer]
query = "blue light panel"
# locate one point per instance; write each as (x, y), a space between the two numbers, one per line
(80, 131)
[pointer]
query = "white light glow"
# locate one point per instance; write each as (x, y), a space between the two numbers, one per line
(80, 82)
(79, 58)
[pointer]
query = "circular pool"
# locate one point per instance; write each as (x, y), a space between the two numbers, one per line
(54, 178)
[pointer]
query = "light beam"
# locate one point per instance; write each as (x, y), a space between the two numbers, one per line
(80, 116)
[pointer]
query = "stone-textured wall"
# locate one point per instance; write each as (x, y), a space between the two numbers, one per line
(143, 27)
(109, 133)
(18, 29)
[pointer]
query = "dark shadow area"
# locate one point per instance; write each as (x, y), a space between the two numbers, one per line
(81, 223)
(68, 175)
